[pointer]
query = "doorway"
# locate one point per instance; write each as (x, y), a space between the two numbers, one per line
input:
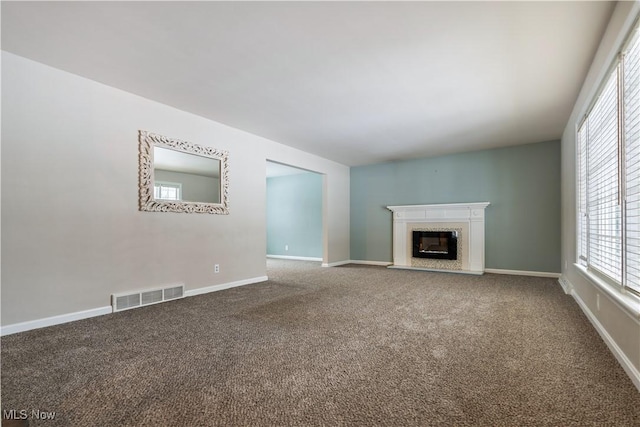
(294, 213)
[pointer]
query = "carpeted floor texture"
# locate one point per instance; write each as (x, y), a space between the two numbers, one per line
(352, 345)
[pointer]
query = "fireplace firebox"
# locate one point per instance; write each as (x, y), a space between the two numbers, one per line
(435, 244)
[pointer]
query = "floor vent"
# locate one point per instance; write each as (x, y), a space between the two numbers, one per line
(147, 297)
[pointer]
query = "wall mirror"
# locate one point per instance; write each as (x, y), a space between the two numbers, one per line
(179, 176)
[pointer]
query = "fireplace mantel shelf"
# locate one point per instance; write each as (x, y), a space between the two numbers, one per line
(438, 208)
(471, 215)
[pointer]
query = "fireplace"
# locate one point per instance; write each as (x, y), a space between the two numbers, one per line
(435, 244)
(465, 219)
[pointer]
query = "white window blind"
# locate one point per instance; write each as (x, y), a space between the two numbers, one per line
(167, 190)
(608, 167)
(603, 207)
(582, 194)
(631, 122)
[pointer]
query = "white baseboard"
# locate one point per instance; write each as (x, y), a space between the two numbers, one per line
(295, 258)
(54, 320)
(70, 317)
(486, 270)
(335, 264)
(522, 273)
(435, 270)
(567, 287)
(223, 286)
(357, 261)
(622, 358)
(364, 262)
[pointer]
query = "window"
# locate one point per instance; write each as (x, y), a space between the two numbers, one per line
(632, 161)
(608, 144)
(167, 190)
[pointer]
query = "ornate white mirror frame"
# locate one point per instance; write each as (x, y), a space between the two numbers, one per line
(147, 200)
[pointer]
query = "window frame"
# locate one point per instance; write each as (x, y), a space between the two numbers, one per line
(176, 185)
(621, 291)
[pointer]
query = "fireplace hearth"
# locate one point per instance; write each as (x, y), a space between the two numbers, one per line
(435, 244)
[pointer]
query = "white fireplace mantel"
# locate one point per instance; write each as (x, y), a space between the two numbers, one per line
(468, 215)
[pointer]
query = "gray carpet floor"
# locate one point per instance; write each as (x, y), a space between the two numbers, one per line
(352, 345)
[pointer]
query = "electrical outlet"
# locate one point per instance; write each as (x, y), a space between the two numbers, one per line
(286, 247)
(216, 268)
(598, 302)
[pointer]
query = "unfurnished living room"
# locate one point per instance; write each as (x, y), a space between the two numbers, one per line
(320, 213)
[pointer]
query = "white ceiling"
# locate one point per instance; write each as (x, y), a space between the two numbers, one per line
(355, 82)
(178, 161)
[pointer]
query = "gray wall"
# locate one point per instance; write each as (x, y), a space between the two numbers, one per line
(195, 188)
(72, 233)
(521, 183)
(294, 215)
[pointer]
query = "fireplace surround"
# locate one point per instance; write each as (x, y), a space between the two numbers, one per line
(465, 220)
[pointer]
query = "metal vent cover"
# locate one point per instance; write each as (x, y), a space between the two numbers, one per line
(151, 297)
(129, 300)
(173, 293)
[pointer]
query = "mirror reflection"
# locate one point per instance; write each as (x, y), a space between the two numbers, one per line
(180, 176)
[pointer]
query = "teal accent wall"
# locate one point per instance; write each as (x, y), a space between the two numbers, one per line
(294, 215)
(522, 183)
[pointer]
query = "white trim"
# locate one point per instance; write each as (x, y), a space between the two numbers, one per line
(622, 298)
(473, 205)
(622, 358)
(79, 315)
(364, 262)
(214, 288)
(336, 264)
(54, 320)
(435, 270)
(295, 258)
(567, 287)
(523, 273)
